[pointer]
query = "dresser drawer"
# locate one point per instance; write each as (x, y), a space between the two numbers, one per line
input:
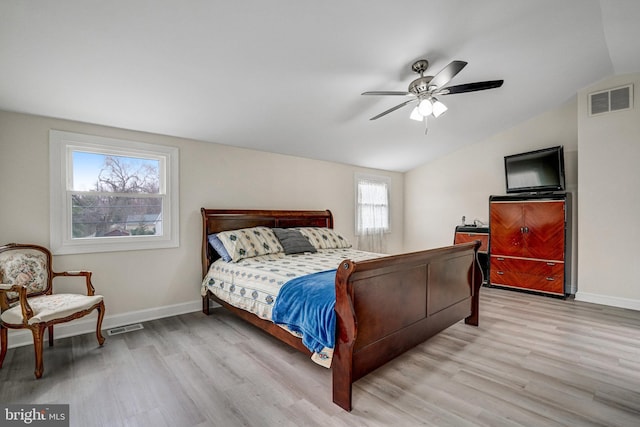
(465, 237)
(527, 266)
(542, 276)
(548, 284)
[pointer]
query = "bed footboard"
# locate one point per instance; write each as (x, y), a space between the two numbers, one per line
(387, 306)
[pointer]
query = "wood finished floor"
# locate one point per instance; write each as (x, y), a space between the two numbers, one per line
(534, 361)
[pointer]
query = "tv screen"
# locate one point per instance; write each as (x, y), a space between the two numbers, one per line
(535, 171)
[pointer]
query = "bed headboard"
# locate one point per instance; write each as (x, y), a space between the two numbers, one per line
(216, 220)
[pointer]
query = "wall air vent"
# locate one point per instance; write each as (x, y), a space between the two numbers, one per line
(610, 100)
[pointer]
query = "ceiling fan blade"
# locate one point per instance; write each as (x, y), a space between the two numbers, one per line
(392, 109)
(470, 87)
(386, 92)
(447, 73)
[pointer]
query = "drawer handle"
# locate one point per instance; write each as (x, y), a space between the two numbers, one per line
(551, 279)
(551, 263)
(500, 272)
(500, 259)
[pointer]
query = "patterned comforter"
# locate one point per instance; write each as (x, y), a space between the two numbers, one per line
(253, 284)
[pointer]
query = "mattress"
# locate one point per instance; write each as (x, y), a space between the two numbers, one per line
(253, 284)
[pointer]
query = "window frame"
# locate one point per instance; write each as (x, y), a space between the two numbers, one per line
(373, 178)
(61, 147)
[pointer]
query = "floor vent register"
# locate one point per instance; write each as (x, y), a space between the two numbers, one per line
(124, 329)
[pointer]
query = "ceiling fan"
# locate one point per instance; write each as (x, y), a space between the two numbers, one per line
(425, 89)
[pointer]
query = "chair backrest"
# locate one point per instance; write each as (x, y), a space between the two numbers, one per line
(25, 264)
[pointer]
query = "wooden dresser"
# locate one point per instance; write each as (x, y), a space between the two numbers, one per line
(529, 243)
(471, 233)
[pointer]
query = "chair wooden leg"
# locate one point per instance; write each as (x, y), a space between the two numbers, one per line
(99, 326)
(38, 337)
(50, 332)
(3, 344)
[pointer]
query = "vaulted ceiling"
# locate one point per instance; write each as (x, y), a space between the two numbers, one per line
(285, 76)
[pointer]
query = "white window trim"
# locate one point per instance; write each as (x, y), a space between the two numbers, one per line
(377, 178)
(61, 145)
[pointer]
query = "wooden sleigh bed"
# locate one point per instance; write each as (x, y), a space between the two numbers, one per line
(440, 287)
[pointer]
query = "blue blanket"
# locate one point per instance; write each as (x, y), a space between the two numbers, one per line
(306, 305)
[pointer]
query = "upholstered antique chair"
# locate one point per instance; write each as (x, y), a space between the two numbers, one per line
(27, 300)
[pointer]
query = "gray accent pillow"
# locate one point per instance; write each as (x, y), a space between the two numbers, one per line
(293, 241)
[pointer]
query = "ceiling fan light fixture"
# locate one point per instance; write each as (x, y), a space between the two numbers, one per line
(415, 115)
(425, 107)
(438, 108)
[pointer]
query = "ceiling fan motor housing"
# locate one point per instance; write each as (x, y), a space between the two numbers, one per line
(420, 85)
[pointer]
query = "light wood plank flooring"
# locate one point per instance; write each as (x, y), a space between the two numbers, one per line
(534, 361)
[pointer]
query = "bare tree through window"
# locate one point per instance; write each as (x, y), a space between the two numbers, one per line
(118, 198)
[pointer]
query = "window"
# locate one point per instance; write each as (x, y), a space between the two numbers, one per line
(111, 195)
(372, 204)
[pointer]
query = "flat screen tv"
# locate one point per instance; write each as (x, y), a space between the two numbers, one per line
(537, 171)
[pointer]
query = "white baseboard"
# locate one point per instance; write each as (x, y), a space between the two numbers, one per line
(632, 304)
(87, 324)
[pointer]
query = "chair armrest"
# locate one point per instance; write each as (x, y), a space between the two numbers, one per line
(5, 287)
(27, 312)
(86, 274)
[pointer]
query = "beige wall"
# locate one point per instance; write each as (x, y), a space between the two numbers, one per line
(609, 156)
(159, 282)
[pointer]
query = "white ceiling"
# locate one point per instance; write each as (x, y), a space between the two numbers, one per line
(286, 76)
